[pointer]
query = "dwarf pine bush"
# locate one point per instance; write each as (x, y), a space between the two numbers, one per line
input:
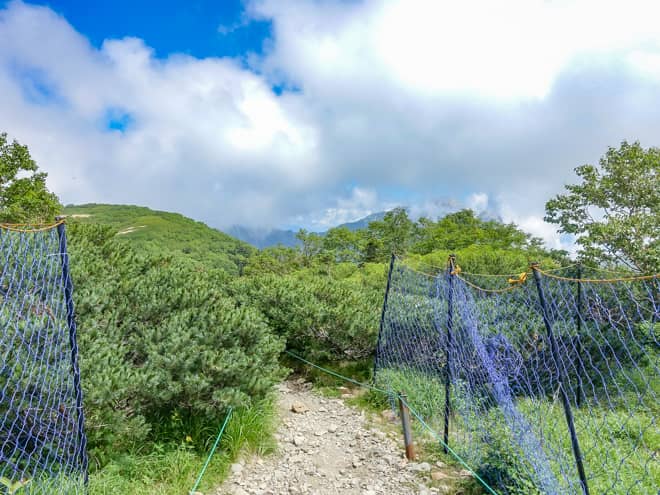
(160, 340)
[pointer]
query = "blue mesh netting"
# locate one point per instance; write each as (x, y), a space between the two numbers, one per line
(509, 391)
(42, 442)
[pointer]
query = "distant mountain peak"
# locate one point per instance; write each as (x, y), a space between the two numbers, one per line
(363, 223)
(263, 237)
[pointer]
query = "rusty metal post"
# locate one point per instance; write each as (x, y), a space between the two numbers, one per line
(405, 423)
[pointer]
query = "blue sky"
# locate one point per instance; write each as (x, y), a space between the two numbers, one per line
(312, 113)
(194, 27)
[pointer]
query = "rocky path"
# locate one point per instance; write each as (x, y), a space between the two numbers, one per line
(327, 448)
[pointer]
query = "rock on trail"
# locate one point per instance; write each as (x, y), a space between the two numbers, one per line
(327, 448)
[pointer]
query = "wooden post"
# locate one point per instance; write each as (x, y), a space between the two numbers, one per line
(405, 423)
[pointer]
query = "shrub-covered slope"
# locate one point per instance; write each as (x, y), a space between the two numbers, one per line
(161, 347)
(160, 232)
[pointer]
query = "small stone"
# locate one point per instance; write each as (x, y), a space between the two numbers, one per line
(299, 408)
(236, 468)
(419, 467)
(388, 415)
(439, 475)
(332, 428)
(464, 473)
(319, 433)
(298, 440)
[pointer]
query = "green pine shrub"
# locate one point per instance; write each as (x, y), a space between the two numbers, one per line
(160, 342)
(321, 318)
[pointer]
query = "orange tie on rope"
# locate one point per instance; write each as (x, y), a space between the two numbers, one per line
(521, 279)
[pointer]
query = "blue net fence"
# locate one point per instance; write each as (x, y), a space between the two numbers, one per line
(42, 439)
(544, 382)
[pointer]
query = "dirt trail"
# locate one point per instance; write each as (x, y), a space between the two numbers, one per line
(327, 448)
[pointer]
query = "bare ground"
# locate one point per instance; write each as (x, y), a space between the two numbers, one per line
(326, 447)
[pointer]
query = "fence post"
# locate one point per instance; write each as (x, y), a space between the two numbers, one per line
(382, 317)
(73, 342)
(450, 327)
(578, 318)
(405, 423)
(564, 396)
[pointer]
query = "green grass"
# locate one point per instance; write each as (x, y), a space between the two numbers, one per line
(172, 470)
(618, 446)
(166, 233)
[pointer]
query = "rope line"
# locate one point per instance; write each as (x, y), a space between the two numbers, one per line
(215, 446)
(27, 228)
(492, 291)
(459, 273)
(599, 280)
(397, 396)
(342, 377)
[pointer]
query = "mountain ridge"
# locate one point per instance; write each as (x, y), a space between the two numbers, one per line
(163, 232)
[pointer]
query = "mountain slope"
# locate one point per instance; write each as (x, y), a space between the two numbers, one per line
(363, 223)
(166, 233)
(262, 238)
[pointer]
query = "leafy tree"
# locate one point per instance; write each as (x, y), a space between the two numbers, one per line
(394, 233)
(311, 243)
(23, 194)
(343, 244)
(615, 210)
(463, 228)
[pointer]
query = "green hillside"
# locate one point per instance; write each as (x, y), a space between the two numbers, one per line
(167, 233)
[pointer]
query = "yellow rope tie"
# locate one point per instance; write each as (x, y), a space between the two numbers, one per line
(492, 291)
(520, 280)
(27, 228)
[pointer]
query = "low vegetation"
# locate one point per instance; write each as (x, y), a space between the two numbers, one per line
(163, 233)
(178, 321)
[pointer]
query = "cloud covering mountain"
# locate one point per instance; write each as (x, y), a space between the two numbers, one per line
(351, 108)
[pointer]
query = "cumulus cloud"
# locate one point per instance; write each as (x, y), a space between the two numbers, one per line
(451, 98)
(206, 137)
(478, 202)
(360, 203)
(488, 104)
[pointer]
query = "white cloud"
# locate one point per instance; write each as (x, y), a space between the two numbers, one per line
(413, 100)
(205, 134)
(508, 49)
(478, 202)
(360, 203)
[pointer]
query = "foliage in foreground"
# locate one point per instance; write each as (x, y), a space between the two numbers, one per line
(489, 445)
(615, 210)
(24, 196)
(163, 351)
(172, 470)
